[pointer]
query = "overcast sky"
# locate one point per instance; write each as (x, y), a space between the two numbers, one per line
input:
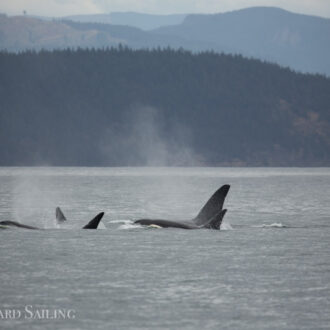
(72, 7)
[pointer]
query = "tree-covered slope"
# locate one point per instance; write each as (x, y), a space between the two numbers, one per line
(161, 107)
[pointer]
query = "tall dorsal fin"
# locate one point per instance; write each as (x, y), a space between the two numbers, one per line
(216, 220)
(213, 205)
(94, 222)
(60, 217)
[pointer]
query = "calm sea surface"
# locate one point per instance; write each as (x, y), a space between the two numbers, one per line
(269, 268)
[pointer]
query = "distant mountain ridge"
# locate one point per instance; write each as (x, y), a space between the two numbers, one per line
(297, 41)
(138, 20)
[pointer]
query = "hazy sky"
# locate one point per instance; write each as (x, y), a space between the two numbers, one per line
(72, 7)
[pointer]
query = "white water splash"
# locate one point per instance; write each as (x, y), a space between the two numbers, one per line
(226, 226)
(121, 221)
(131, 225)
(101, 226)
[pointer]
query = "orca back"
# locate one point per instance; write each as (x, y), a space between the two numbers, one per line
(16, 224)
(166, 223)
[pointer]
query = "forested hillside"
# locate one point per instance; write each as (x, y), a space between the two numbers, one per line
(160, 107)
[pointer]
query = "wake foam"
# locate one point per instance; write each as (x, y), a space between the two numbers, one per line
(273, 225)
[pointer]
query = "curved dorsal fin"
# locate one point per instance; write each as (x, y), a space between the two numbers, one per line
(94, 222)
(212, 206)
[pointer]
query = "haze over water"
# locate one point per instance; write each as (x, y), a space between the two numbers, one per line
(268, 268)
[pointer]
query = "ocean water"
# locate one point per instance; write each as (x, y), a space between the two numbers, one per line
(268, 268)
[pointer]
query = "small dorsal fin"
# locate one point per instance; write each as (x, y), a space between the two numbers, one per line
(60, 217)
(94, 222)
(213, 206)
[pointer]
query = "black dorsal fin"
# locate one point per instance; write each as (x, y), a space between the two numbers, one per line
(213, 206)
(94, 222)
(216, 221)
(60, 217)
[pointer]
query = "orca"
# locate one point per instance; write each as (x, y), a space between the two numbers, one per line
(93, 224)
(210, 216)
(8, 223)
